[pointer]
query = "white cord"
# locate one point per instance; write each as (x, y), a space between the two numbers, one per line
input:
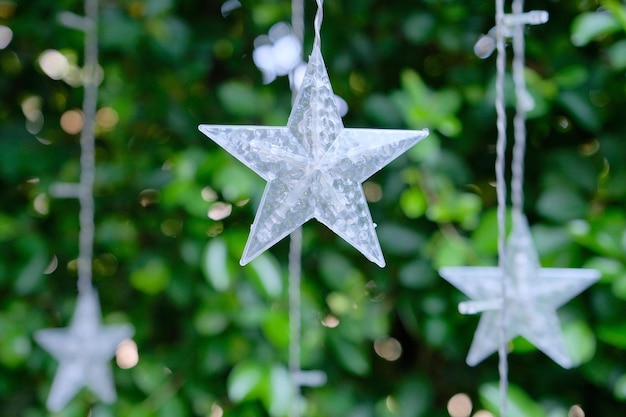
(501, 196)
(519, 122)
(317, 25)
(295, 256)
(87, 145)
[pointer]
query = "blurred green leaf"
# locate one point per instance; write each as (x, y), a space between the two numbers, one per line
(588, 26)
(265, 270)
(350, 356)
(246, 381)
(519, 404)
(152, 277)
(580, 342)
(215, 264)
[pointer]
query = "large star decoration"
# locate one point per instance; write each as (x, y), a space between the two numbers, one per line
(83, 351)
(533, 294)
(314, 167)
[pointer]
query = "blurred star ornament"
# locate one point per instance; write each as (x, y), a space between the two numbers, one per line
(533, 294)
(83, 351)
(314, 167)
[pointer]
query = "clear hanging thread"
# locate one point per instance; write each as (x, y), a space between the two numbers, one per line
(501, 196)
(87, 145)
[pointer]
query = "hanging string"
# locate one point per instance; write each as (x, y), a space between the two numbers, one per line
(317, 24)
(295, 254)
(521, 105)
(295, 260)
(87, 145)
(501, 196)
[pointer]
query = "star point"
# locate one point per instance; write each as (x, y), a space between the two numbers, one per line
(532, 296)
(83, 351)
(314, 167)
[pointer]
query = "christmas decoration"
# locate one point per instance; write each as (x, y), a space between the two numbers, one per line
(314, 167)
(517, 297)
(83, 350)
(532, 296)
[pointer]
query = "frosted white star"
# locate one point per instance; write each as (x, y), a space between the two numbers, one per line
(314, 167)
(83, 351)
(533, 294)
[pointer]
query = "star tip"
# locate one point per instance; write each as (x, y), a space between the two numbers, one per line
(471, 362)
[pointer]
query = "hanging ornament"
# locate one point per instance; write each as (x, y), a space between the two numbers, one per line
(518, 297)
(85, 347)
(314, 166)
(532, 296)
(83, 350)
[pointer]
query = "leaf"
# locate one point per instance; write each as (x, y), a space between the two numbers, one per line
(8, 228)
(215, 264)
(580, 342)
(581, 109)
(351, 357)
(151, 278)
(617, 55)
(589, 26)
(398, 240)
(246, 381)
(118, 31)
(613, 334)
(276, 328)
(280, 395)
(30, 275)
(413, 203)
(15, 345)
(265, 271)
(519, 404)
(561, 204)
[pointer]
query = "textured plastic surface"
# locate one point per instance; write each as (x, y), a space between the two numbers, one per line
(314, 167)
(533, 294)
(83, 351)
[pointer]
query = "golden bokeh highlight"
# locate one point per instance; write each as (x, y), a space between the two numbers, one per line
(460, 405)
(388, 348)
(220, 210)
(107, 118)
(126, 355)
(72, 121)
(483, 413)
(576, 411)
(330, 321)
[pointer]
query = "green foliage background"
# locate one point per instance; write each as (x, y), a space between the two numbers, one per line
(213, 334)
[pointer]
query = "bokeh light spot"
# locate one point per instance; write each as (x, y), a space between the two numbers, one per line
(52, 266)
(171, 227)
(148, 197)
(127, 355)
(216, 411)
(373, 191)
(72, 121)
(107, 118)
(219, 211)
(208, 194)
(54, 64)
(576, 411)
(460, 405)
(330, 321)
(388, 348)
(41, 204)
(6, 35)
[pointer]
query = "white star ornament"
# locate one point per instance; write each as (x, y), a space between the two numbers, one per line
(83, 351)
(532, 296)
(314, 167)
